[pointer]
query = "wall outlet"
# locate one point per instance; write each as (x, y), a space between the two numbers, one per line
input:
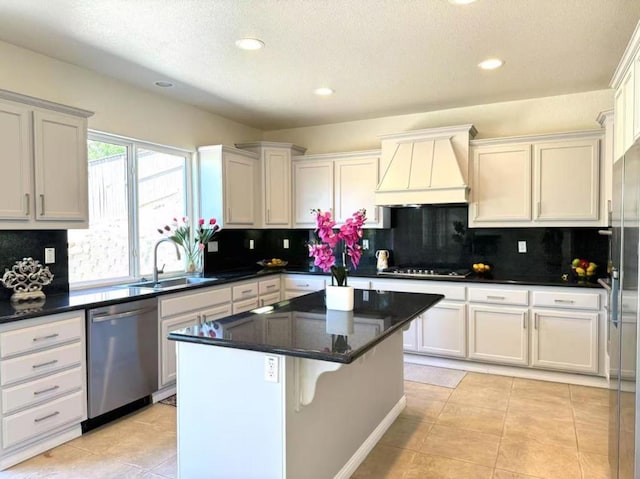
(49, 255)
(522, 246)
(285, 243)
(271, 369)
(252, 244)
(365, 244)
(212, 246)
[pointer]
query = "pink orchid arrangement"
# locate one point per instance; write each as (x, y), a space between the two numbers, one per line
(180, 233)
(350, 233)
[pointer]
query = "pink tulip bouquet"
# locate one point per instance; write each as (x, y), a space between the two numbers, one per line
(350, 233)
(180, 233)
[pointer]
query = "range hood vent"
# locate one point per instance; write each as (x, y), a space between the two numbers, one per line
(425, 167)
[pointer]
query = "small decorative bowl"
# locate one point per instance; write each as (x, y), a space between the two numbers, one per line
(269, 264)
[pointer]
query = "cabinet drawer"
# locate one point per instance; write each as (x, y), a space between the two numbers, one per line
(37, 337)
(36, 364)
(451, 292)
(267, 299)
(246, 305)
(216, 313)
(566, 300)
(41, 389)
(499, 296)
(39, 420)
(181, 303)
(304, 284)
(359, 283)
(244, 291)
(268, 286)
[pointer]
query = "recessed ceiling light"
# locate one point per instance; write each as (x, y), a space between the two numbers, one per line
(323, 91)
(461, 2)
(163, 84)
(491, 64)
(249, 44)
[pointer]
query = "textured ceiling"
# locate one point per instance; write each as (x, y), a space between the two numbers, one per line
(382, 57)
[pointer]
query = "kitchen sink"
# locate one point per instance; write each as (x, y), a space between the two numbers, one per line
(170, 283)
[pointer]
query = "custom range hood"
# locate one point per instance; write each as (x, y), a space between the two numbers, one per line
(425, 167)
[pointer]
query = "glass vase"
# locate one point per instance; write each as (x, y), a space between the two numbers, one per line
(194, 264)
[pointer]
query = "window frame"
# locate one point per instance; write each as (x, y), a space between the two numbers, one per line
(133, 145)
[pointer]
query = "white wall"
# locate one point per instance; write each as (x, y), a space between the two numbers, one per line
(119, 108)
(523, 117)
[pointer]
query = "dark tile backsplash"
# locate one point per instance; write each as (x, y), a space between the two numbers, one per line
(431, 236)
(16, 244)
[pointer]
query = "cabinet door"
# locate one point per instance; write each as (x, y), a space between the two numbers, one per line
(498, 335)
(277, 187)
(16, 187)
(168, 348)
(60, 158)
(628, 84)
(240, 174)
(278, 330)
(410, 336)
(618, 123)
(443, 330)
(313, 189)
(355, 186)
(268, 299)
(635, 103)
(565, 340)
(501, 184)
(567, 180)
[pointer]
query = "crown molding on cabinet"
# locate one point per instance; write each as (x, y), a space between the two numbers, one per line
(39, 103)
(627, 58)
(295, 149)
(537, 138)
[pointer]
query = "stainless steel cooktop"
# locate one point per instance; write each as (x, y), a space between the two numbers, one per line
(425, 272)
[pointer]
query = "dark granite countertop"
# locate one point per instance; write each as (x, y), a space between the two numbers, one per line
(307, 329)
(84, 299)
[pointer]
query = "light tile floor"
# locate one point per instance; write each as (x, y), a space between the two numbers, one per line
(491, 427)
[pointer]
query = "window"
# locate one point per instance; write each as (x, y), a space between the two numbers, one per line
(134, 189)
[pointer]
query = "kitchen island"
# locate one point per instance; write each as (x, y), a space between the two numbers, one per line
(292, 390)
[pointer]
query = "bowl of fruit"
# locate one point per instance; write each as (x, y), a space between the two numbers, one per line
(481, 269)
(583, 269)
(273, 263)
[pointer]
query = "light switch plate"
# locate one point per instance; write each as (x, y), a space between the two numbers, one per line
(252, 244)
(522, 246)
(49, 255)
(285, 243)
(365, 244)
(212, 246)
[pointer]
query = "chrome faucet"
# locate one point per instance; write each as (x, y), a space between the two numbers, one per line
(155, 257)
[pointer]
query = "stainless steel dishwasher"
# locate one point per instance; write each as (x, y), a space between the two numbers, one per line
(122, 355)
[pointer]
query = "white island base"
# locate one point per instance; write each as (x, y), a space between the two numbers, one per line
(320, 420)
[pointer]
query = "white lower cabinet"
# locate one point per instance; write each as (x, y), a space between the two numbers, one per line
(298, 284)
(410, 336)
(442, 330)
(566, 341)
(498, 334)
(182, 310)
(42, 384)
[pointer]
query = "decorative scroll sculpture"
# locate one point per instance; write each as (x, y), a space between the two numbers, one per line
(26, 278)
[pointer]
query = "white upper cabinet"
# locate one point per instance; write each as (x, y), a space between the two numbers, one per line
(626, 83)
(550, 180)
(229, 186)
(567, 180)
(276, 204)
(501, 184)
(342, 183)
(44, 157)
(312, 189)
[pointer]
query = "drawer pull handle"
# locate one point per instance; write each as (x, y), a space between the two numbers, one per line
(49, 336)
(495, 297)
(48, 363)
(246, 291)
(48, 416)
(271, 286)
(303, 285)
(565, 301)
(48, 390)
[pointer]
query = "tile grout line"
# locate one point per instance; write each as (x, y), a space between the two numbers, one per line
(504, 426)
(575, 430)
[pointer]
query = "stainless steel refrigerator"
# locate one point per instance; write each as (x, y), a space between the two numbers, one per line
(623, 309)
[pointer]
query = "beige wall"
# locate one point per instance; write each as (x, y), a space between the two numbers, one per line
(541, 115)
(119, 108)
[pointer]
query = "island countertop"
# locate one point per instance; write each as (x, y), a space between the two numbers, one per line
(304, 327)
